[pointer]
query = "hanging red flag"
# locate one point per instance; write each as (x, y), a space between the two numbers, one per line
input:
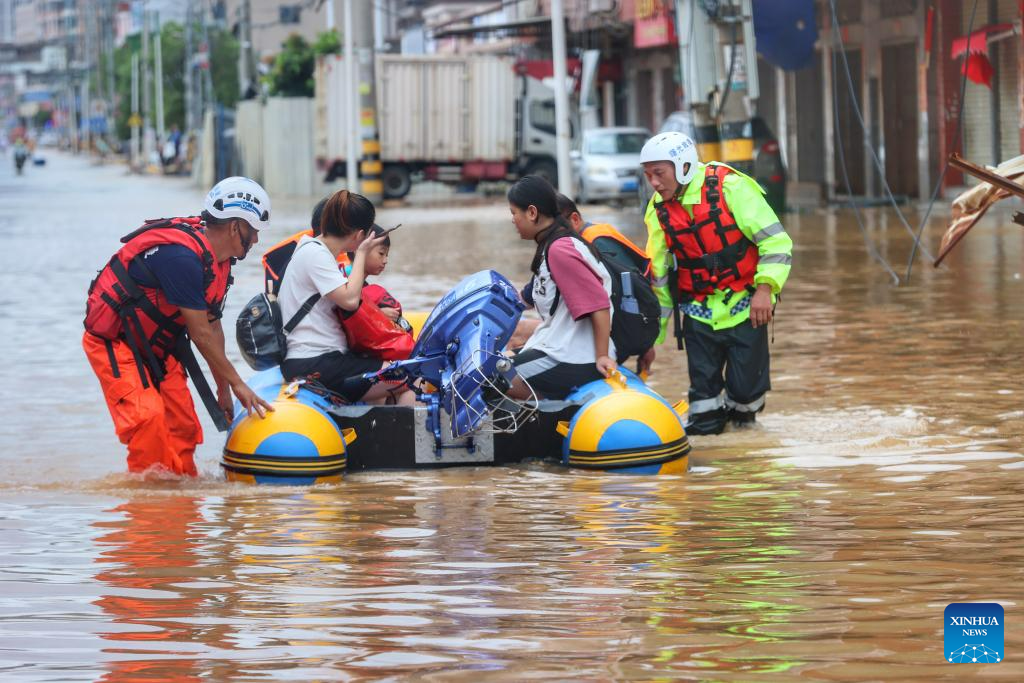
(978, 69)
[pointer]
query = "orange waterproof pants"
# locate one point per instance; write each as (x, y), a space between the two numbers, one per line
(160, 427)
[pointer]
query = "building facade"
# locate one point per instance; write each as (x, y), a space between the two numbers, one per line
(272, 21)
(893, 62)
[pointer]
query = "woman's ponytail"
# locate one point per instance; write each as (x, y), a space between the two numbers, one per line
(345, 213)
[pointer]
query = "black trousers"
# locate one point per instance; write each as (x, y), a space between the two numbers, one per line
(741, 354)
(339, 372)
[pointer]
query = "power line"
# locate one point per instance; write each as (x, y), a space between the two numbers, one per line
(956, 143)
(863, 126)
(872, 250)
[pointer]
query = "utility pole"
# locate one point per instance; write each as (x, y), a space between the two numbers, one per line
(135, 119)
(71, 121)
(210, 102)
(562, 129)
(245, 75)
(209, 97)
(380, 23)
(159, 81)
(351, 172)
(87, 22)
(330, 14)
(718, 88)
(111, 83)
(370, 166)
(147, 85)
(190, 121)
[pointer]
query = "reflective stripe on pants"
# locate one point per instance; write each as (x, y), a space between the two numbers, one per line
(752, 407)
(159, 427)
(706, 405)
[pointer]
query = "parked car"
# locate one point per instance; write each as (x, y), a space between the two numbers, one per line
(768, 169)
(48, 138)
(607, 163)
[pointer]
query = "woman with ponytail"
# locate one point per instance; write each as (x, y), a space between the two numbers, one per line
(317, 346)
(571, 291)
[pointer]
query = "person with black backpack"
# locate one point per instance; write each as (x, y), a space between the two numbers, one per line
(634, 331)
(313, 288)
(571, 291)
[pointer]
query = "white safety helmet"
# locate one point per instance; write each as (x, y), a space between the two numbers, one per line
(678, 148)
(239, 197)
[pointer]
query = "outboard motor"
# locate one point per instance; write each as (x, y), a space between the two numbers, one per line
(468, 329)
(459, 353)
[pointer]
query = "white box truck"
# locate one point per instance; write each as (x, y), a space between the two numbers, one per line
(454, 119)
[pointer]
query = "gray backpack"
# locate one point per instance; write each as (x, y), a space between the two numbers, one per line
(260, 332)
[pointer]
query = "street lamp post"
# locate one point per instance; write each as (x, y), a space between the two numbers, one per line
(562, 128)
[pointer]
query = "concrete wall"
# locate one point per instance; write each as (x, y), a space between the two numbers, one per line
(249, 139)
(288, 164)
(274, 145)
(204, 171)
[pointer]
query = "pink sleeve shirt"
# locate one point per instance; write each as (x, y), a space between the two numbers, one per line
(580, 287)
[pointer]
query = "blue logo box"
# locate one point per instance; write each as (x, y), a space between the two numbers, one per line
(973, 633)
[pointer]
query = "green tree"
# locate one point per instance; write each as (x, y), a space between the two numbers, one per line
(224, 67)
(41, 118)
(327, 43)
(292, 73)
(223, 73)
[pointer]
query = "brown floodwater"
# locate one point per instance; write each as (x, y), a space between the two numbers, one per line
(884, 481)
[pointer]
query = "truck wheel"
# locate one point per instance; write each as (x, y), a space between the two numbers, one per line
(396, 181)
(546, 169)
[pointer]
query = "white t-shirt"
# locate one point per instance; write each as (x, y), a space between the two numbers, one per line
(312, 270)
(561, 337)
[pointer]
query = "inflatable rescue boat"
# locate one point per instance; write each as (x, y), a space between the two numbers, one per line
(463, 415)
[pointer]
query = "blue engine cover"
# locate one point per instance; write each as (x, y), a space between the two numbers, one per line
(459, 349)
(479, 314)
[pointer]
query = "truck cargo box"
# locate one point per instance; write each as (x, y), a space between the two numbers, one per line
(446, 108)
(434, 109)
(331, 109)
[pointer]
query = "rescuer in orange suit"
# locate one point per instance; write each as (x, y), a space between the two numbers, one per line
(162, 290)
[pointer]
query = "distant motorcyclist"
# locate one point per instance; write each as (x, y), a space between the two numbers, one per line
(20, 155)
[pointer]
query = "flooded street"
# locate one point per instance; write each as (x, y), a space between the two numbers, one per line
(884, 481)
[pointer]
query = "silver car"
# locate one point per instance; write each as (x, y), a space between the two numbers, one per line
(607, 163)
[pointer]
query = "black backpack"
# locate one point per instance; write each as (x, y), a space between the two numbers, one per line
(260, 333)
(637, 320)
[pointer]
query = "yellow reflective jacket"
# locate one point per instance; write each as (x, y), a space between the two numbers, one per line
(723, 308)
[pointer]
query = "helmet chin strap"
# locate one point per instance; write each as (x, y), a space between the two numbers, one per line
(681, 187)
(246, 239)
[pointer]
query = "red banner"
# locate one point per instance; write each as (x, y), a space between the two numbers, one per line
(654, 24)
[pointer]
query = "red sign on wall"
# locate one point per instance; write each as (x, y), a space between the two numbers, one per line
(653, 24)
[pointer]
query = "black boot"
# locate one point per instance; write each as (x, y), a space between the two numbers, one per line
(742, 420)
(711, 422)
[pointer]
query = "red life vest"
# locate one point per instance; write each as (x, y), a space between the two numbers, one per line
(371, 332)
(711, 251)
(120, 308)
(596, 232)
(380, 297)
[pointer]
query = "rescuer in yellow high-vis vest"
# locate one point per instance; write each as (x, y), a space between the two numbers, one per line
(719, 258)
